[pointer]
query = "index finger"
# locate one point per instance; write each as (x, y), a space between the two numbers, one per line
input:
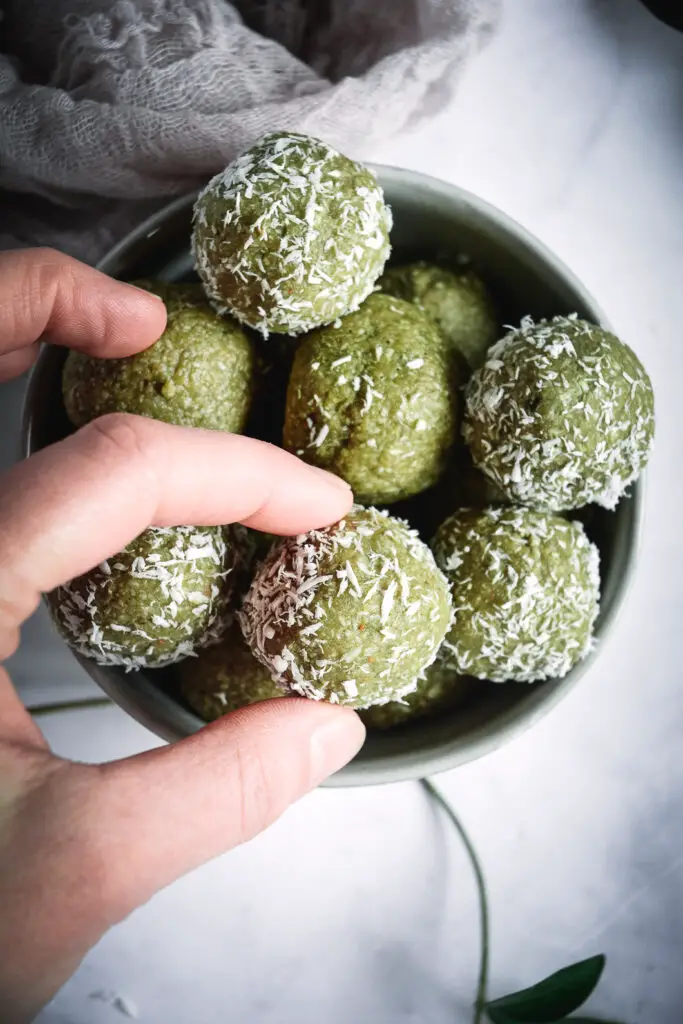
(81, 500)
(44, 292)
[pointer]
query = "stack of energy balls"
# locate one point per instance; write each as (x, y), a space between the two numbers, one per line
(398, 381)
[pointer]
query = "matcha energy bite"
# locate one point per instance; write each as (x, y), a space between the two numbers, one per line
(372, 400)
(560, 415)
(225, 677)
(440, 689)
(291, 235)
(458, 303)
(525, 588)
(200, 373)
(352, 614)
(157, 601)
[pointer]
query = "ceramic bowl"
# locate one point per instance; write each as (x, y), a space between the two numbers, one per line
(432, 220)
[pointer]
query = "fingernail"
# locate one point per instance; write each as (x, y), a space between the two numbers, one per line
(332, 478)
(144, 291)
(334, 744)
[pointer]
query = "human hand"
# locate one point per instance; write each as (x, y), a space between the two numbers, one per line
(82, 845)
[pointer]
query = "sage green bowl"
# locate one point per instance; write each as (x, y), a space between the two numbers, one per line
(432, 220)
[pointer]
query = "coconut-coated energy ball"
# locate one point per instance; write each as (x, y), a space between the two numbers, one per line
(164, 596)
(458, 303)
(560, 415)
(291, 235)
(440, 690)
(373, 401)
(200, 373)
(525, 588)
(351, 614)
(225, 677)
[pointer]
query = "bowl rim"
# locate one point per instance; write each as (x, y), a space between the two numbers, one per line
(448, 754)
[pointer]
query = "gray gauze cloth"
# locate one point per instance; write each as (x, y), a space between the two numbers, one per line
(109, 109)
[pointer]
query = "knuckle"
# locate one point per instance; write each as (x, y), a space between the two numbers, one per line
(126, 437)
(54, 281)
(46, 255)
(41, 259)
(45, 269)
(131, 447)
(33, 280)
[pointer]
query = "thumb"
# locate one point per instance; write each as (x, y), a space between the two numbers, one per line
(171, 809)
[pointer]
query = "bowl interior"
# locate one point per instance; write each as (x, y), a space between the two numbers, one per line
(436, 222)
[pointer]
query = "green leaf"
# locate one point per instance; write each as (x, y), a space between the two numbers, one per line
(551, 999)
(567, 1020)
(591, 1020)
(503, 1019)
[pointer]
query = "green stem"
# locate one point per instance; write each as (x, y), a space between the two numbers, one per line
(74, 705)
(482, 983)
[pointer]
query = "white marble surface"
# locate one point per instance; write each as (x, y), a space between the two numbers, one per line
(358, 906)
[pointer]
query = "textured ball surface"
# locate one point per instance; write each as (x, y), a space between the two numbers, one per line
(154, 603)
(373, 401)
(200, 373)
(440, 691)
(458, 303)
(225, 677)
(560, 415)
(352, 614)
(525, 588)
(291, 235)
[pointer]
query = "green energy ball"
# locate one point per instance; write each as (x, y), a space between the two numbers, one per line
(525, 588)
(291, 235)
(351, 614)
(372, 400)
(560, 415)
(200, 373)
(458, 303)
(441, 689)
(158, 600)
(225, 677)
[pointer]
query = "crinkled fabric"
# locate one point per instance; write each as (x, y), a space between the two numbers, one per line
(109, 109)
